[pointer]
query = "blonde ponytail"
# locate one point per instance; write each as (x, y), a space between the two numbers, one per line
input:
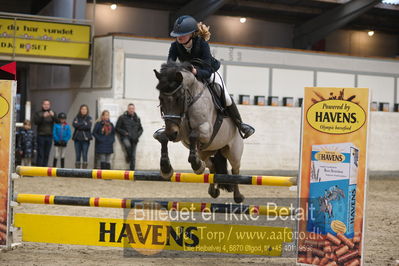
(203, 31)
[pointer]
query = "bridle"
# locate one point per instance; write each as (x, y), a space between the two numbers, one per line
(188, 100)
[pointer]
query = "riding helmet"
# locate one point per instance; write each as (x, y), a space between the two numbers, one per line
(184, 25)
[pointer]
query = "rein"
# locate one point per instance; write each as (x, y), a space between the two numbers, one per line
(188, 99)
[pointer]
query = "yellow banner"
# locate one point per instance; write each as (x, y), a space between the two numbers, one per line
(153, 235)
(333, 173)
(44, 39)
(7, 91)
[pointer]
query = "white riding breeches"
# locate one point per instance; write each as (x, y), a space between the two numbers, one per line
(219, 80)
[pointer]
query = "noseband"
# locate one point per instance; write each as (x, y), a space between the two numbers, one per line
(188, 100)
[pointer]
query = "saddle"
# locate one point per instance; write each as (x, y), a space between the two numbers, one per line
(219, 102)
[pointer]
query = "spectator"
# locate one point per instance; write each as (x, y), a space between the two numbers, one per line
(82, 135)
(44, 119)
(129, 129)
(27, 145)
(104, 133)
(61, 136)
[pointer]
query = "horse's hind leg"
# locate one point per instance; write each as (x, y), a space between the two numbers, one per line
(196, 163)
(238, 197)
(166, 168)
(234, 159)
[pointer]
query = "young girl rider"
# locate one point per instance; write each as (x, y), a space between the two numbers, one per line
(191, 45)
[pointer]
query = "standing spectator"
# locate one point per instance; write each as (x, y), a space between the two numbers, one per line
(129, 129)
(104, 133)
(61, 136)
(44, 119)
(27, 145)
(82, 135)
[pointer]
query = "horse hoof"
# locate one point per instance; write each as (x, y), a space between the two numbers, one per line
(214, 192)
(201, 169)
(238, 199)
(167, 175)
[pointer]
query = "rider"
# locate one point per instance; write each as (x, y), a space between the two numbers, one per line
(191, 45)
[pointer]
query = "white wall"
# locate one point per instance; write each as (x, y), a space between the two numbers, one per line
(331, 79)
(290, 82)
(247, 80)
(383, 87)
(140, 83)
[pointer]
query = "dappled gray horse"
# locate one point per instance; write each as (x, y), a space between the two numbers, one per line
(189, 114)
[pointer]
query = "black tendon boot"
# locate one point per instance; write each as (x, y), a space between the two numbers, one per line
(103, 165)
(62, 162)
(245, 129)
(108, 166)
(55, 162)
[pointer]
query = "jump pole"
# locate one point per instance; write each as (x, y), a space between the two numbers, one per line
(154, 205)
(286, 181)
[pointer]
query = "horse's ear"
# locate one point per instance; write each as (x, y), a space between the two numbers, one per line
(157, 74)
(179, 77)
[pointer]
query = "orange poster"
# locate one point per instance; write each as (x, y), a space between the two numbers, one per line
(7, 92)
(333, 175)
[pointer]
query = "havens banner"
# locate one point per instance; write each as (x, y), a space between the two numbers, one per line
(44, 39)
(151, 237)
(333, 175)
(7, 92)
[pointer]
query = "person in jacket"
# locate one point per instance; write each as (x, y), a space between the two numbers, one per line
(27, 145)
(61, 136)
(191, 46)
(82, 135)
(44, 120)
(104, 134)
(129, 130)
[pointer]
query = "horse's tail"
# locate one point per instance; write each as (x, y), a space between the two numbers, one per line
(220, 164)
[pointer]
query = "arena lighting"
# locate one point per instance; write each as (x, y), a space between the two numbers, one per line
(243, 20)
(370, 33)
(392, 2)
(113, 6)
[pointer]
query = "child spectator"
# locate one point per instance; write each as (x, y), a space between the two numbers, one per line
(104, 133)
(61, 135)
(27, 145)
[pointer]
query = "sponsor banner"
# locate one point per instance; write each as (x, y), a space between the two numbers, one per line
(44, 39)
(7, 92)
(144, 235)
(333, 175)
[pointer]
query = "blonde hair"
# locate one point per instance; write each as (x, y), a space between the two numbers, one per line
(203, 31)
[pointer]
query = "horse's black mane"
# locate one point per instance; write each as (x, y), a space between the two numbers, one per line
(167, 82)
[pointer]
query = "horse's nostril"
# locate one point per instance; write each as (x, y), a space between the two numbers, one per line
(173, 136)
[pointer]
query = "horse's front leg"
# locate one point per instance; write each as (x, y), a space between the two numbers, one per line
(196, 163)
(166, 168)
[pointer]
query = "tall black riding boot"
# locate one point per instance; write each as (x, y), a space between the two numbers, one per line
(55, 162)
(245, 129)
(62, 162)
